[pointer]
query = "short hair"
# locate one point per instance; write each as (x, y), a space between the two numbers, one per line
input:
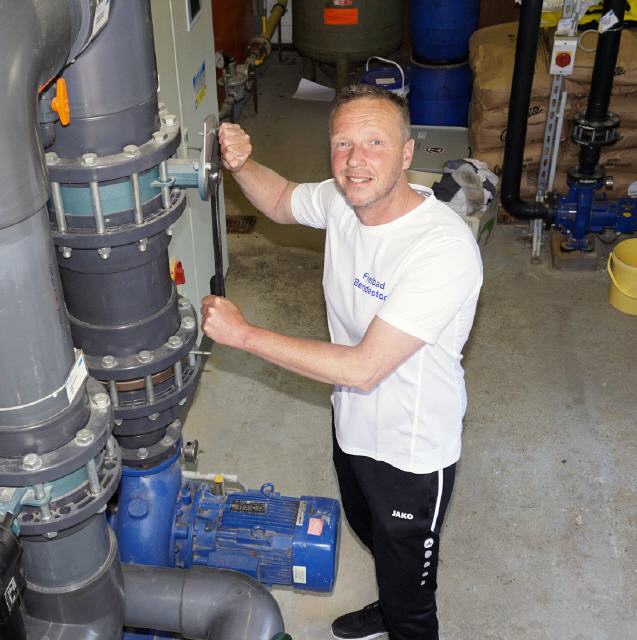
(361, 91)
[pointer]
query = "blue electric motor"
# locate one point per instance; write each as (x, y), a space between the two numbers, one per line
(273, 538)
(164, 520)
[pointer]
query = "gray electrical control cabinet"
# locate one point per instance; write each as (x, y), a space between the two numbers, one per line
(184, 46)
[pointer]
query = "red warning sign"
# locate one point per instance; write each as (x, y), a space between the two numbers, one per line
(340, 16)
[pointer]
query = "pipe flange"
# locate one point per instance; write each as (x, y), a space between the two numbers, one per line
(132, 367)
(588, 133)
(259, 47)
(128, 233)
(594, 180)
(152, 455)
(67, 458)
(78, 505)
(144, 426)
(86, 169)
(46, 435)
(165, 399)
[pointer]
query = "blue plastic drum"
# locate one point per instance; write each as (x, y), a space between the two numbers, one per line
(440, 29)
(440, 95)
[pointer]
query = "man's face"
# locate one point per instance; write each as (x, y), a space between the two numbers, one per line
(368, 151)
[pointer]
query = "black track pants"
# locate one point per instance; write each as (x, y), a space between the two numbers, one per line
(398, 516)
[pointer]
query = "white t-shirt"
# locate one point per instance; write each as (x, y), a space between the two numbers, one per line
(422, 274)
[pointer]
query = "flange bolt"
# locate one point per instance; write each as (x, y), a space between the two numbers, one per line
(101, 401)
(131, 150)
(108, 362)
(89, 158)
(83, 437)
(169, 119)
(31, 462)
(144, 356)
(188, 323)
(174, 342)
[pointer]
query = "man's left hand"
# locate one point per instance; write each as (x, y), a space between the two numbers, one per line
(223, 322)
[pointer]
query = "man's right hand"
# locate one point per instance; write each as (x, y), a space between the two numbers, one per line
(235, 146)
(266, 190)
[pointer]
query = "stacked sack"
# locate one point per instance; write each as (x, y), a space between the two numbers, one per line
(492, 57)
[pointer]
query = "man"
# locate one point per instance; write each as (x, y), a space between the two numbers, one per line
(401, 280)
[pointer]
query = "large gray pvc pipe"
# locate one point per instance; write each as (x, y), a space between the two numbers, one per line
(67, 559)
(74, 584)
(36, 38)
(113, 86)
(199, 603)
(36, 352)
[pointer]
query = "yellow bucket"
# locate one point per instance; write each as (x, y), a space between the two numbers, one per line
(622, 269)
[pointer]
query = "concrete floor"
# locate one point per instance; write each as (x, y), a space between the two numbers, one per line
(540, 536)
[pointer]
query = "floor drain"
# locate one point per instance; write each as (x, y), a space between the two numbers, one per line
(240, 224)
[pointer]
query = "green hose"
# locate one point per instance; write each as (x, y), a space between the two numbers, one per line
(282, 636)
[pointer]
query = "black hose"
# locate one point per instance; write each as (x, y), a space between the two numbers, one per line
(523, 70)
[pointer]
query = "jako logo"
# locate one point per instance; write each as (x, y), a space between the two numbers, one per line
(402, 515)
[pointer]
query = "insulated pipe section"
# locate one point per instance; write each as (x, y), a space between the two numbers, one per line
(525, 53)
(199, 603)
(36, 39)
(113, 87)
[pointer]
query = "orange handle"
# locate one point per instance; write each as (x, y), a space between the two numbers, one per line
(60, 104)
